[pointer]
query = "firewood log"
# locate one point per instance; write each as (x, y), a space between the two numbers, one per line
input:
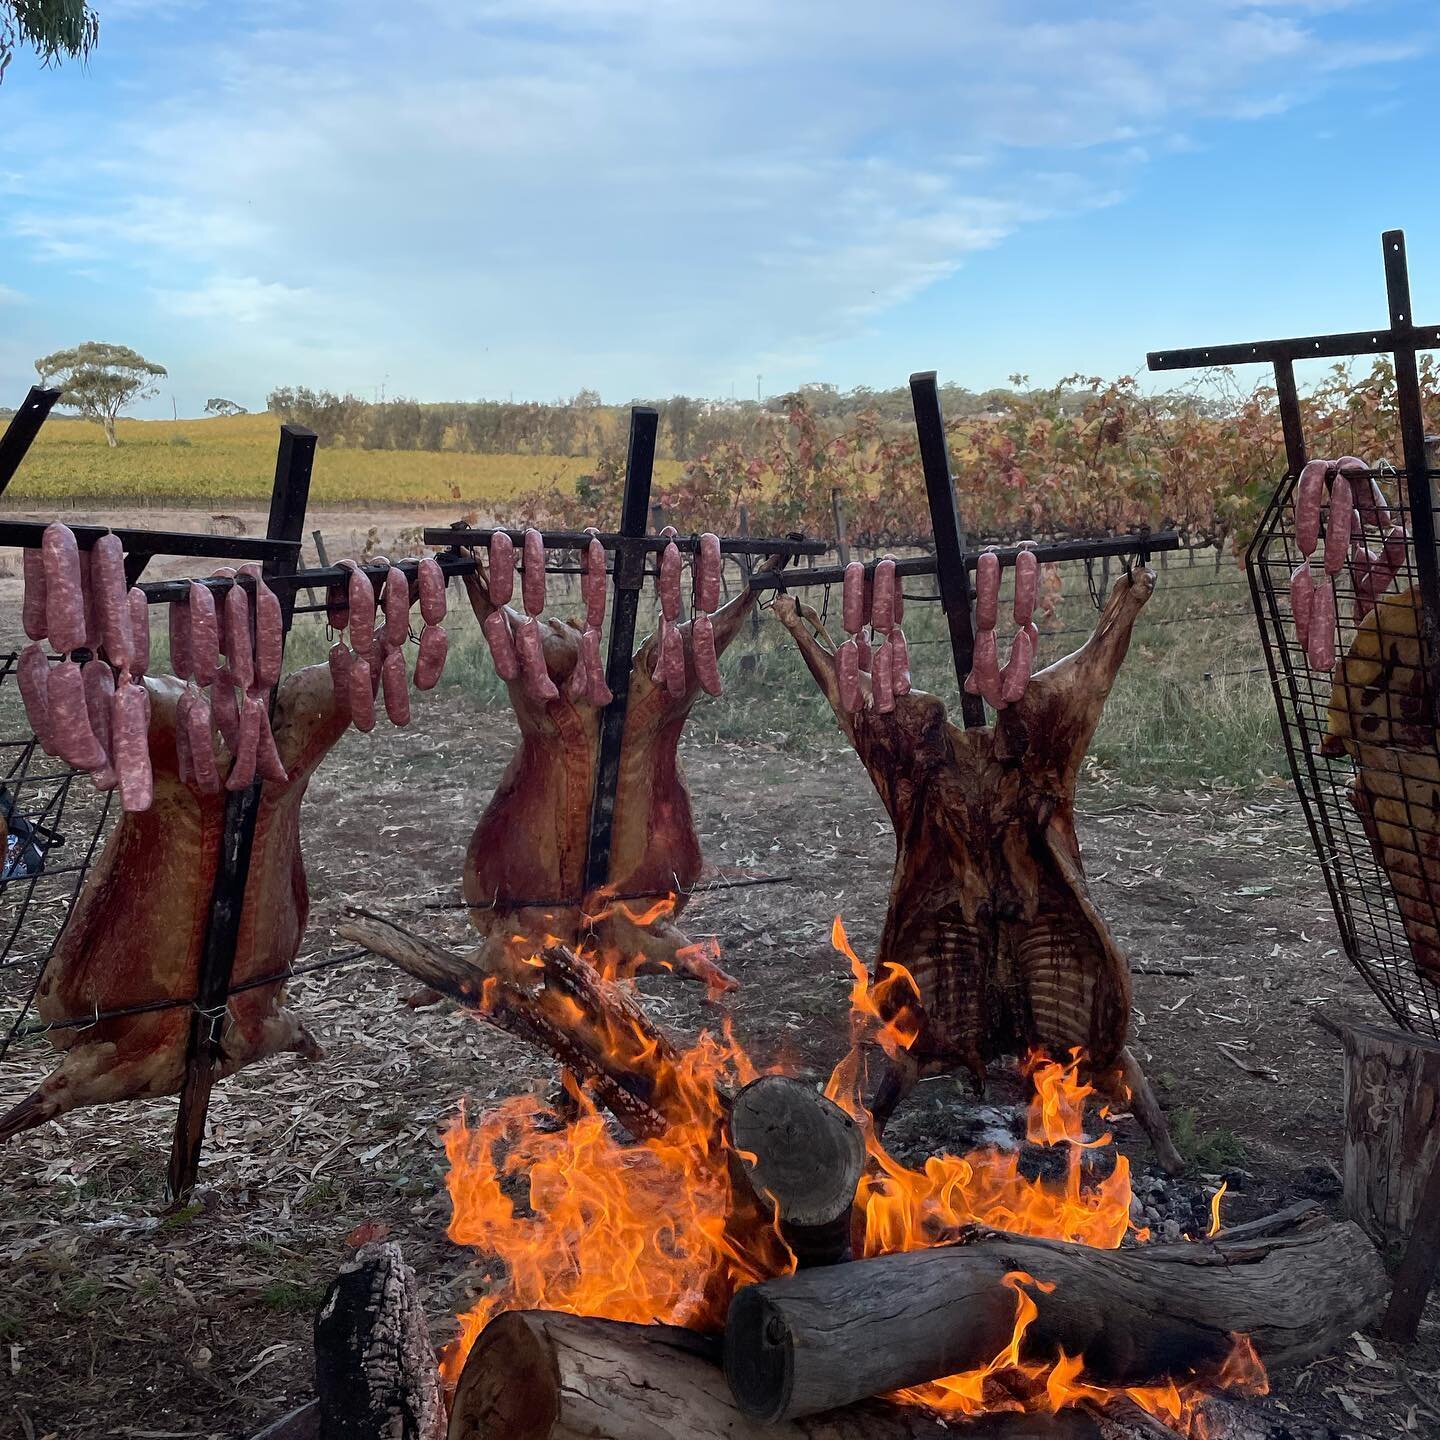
(808, 1342)
(989, 910)
(537, 1375)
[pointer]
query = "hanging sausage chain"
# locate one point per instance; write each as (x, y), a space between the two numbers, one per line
(1356, 503)
(96, 716)
(1001, 686)
(879, 602)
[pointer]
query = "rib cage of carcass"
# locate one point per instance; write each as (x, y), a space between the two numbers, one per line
(1356, 713)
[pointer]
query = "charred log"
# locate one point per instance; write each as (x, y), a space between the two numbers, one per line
(989, 909)
(808, 1342)
(536, 1375)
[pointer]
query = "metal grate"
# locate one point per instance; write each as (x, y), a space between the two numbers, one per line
(1363, 750)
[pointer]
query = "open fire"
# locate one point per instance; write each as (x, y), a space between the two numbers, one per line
(658, 1230)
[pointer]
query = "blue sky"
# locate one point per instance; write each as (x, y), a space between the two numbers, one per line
(530, 196)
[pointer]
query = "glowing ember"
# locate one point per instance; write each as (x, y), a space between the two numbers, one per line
(658, 1230)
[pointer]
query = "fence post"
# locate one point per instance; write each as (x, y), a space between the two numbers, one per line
(842, 545)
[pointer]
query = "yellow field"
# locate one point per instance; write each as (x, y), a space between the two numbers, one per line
(233, 458)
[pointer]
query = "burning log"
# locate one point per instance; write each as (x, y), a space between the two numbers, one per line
(989, 910)
(805, 1343)
(375, 1370)
(539, 1375)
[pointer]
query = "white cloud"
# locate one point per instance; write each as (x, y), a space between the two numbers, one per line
(545, 193)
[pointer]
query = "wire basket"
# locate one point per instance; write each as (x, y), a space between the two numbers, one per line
(1363, 751)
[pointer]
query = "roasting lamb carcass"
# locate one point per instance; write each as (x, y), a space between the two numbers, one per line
(989, 909)
(138, 925)
(531, 842)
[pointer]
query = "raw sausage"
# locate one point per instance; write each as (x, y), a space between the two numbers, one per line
(202, 747)
(87, 591)
(99, 682)
(672, 660)
(702, 645)
(1016, 675)
(1302, 595)
(129, 730)
(32, 673)
(1027, 573)
(139, 632)
(269, 637)
(70, 719)
(337, 599)
(362, 613)
(397, 686)
(247, 747)
(881, 680)
(501, 584)
(268, 764)
(33, 606)
(532, 582)
(502, 646)
(434, 646)
(847, 677)
(1309, 496)
(362, 694)
(397, 608)
(987, 591)
(339, 659)
(64, 589)
(600, 694)
(862, 647)
(900, 665)
(593, 585)
(239, 652)
(431, 579)
(707, 573)
(1337, 527)
(530, 647)
(1320, 641)
(107, 584)
(984, 679)
(670, 582)
(852, 597)
(204, 634)
(224, 708)
(882, 614)
(179, 624)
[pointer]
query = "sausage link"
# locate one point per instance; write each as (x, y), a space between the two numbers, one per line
(225, 709)
(178, 617)
(670, 583)
(1320, 642)
(184, 768)
(129, 729)
(862, 649)
(1337, 526)
(431, 579)
(702, 649)
(247, 747)
(707, 574)
(397, 608)
(430, 664)
(852, 598)
(239, 649)
(847, 677)
(268, 764)
(337, 599)
(600, 694)
(396, 683)
(70, 719)
(92, 614)
(1027, 575)
(1395, 552)
(882, 614)
(1016, 675)
(673, 660)
(139, 632)
(339, 662)
(99, 682)
(900, 665)
(502, 568)
(204, 634)
(532, 581)
(594, 585)
(362, 694)
(530, 647)
(1362, 490)
(198, 726)
(987, 591)
(984, 677)
(362, 613)
(1309, 496)
(269, 637)
(112, 605)
(64, 589)
(33, 605)
(32, 673)
(657, 655)
(882, 680)
(502, 646)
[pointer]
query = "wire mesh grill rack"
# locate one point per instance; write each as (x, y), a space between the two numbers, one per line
(1363, 750)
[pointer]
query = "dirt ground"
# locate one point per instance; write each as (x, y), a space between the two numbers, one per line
(120, 1319)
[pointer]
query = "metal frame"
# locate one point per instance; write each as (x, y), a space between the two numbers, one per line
(24, 426)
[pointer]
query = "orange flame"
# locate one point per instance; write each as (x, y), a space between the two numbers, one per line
(653, 1231)
(1215, 1200)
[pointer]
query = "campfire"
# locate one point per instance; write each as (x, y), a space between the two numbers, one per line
(991, 1284)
